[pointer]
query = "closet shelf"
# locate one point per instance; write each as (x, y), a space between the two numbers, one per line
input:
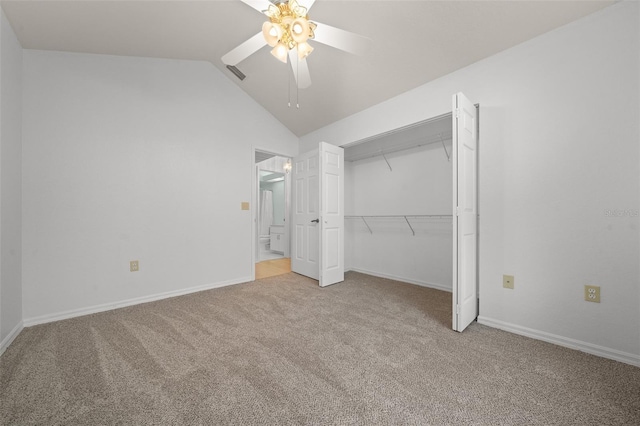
(405, 217)
(431, 131)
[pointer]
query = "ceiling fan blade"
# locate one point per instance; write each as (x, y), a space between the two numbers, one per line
(306, 3)
(259, 5)
(245, 50)
(300, 70)
(341, 39)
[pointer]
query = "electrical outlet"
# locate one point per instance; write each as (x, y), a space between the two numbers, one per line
(592, 293)
(507, 281)
(133, 266)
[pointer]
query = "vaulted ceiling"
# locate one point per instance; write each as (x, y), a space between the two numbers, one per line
(413, 42)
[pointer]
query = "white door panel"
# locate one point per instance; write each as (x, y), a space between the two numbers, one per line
(332, 214)
(465, 211)
(305, 230)
(318, 217)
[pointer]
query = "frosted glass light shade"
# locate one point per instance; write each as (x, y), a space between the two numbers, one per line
(300, 30)
(280, 52)
(304, 50)
(272, 33)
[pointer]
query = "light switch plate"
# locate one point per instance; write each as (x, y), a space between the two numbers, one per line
(244, 205)
(507, 281)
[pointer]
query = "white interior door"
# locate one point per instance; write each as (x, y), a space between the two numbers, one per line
(331, 214)
(305, 227)
(465, 212)
(318, 214)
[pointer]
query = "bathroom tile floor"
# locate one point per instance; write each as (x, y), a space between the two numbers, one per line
(269, 255)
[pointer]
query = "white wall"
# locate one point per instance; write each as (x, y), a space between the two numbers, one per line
(10, 184)
(559, 132)
(419, 183)
(134, 159)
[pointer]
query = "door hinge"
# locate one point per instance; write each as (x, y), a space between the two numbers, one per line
(457, 309)
(458, 211)
(457, 112)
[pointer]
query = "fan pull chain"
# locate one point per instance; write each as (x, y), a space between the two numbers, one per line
(289, 85)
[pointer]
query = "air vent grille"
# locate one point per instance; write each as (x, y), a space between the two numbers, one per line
(236, 72)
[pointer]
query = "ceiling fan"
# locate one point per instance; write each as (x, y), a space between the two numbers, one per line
(288, 31)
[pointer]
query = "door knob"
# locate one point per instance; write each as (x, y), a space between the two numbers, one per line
(315, 221)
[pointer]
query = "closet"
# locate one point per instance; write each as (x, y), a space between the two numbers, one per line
(402, 205)
(398, 204)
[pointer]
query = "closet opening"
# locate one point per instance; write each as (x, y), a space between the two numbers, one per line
(271, 215)
(411, 206)
(398, 198)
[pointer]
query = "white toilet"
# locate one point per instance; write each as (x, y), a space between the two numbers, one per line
(264, 243)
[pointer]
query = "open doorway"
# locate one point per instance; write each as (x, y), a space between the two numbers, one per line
(271, 206)
(271, 219)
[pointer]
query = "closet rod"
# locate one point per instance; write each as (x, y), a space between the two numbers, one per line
(434, 139)
(406, 218)
(440, 216)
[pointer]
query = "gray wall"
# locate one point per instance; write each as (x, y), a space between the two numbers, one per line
(10, 184)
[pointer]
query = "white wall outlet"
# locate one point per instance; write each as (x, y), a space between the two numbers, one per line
(592, 293)
(507, 281)
(133, 266)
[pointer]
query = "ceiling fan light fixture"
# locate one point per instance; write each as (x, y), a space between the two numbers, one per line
(272, 33)
(296, 9)
(280, 52)
(286, 21)
(304, 50)
(300, 30)
(288, 28)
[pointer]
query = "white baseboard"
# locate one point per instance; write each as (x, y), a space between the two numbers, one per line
(10, 337)
(130, 302)
(403, 279)
(601, 351)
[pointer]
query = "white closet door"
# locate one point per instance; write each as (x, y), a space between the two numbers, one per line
(465, 212)
(331, 214)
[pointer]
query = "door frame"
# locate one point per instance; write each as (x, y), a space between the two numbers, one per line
(255, 194)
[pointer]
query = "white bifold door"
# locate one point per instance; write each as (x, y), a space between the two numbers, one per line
(318, 214)
(465, 212)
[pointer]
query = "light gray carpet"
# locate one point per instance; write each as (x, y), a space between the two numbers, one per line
(284, 351)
